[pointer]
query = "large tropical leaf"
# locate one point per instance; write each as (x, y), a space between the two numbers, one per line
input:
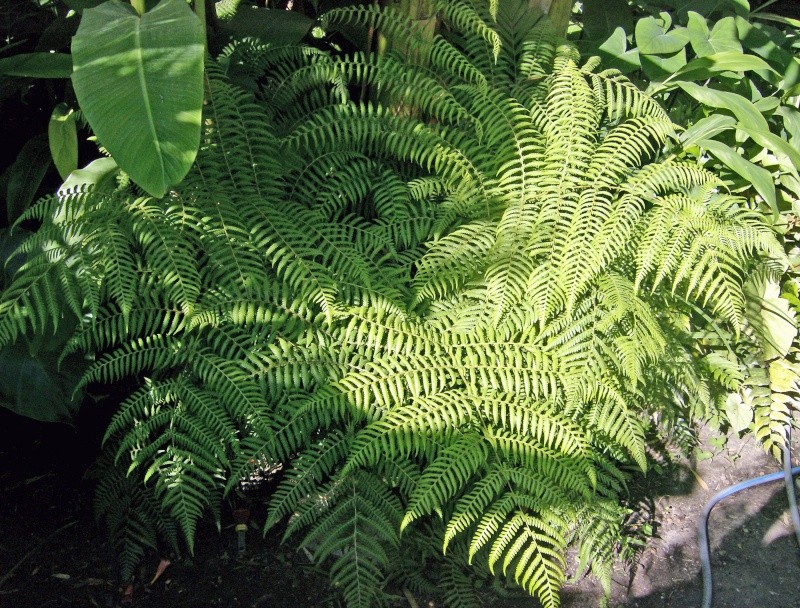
(139, 81)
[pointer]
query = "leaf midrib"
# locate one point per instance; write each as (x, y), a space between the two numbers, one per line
(146, 94)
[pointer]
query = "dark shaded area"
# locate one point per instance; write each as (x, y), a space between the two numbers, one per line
(53, 555)
(786, 8)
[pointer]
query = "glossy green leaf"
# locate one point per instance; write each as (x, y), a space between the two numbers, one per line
(723, 38)
(58, 35)
(653, 39)
(760, 178)
(25, 176)
(784, 20)
(773, 143)
(271, 25)
(80, 5)
(704, 68)
(62, 136)
(615, 54)
(742, 108)
(98, 174)
(139, 82)
(759, 39)
(37, 387)
(37, 65)
(659, 68)
(791, 123)
(706, 128)
(708, 7)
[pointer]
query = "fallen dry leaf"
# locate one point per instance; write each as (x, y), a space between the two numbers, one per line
(127, 596)
(162, 565)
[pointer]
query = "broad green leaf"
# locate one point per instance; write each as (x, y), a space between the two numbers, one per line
(706, 128)
(37, 65)
(660, 67)
(759, 39)
(79, 5)
(775, 144)
(760, 178)
(740, 7)
(58, 35)
(615, 54)
(742, 108)
(767, 105)
(98, 174)
(739, 413)
(791, 123)
(795, 23)
(139, 82)
(271, 25)
(25, 176)
(704, 68)
(38, 387)
(709, 7)
(653, 39)
(770, 316)
(723, 38)
(62, 136)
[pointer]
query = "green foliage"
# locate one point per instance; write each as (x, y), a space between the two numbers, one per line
(452, 325)
(707, 62)
(139, 81)
(728, 73)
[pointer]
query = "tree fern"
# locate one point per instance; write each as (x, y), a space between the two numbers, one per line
(452, 324)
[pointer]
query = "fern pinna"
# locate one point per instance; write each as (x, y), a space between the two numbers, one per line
(451, 324)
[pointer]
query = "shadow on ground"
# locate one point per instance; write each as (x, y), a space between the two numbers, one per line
(52, 555)
(755, 558)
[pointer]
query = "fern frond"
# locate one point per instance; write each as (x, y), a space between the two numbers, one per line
(358, 531)
(535, 546)
(309, 470)
(154, 351)
(446, 475)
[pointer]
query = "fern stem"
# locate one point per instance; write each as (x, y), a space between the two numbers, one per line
(411, 601)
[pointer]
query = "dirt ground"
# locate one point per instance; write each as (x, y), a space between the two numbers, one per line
(52, 555)
(754, 554)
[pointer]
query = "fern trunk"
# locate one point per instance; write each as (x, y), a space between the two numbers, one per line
(558, 11)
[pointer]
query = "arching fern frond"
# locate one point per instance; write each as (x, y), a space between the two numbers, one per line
(462, 314)
(355, 527)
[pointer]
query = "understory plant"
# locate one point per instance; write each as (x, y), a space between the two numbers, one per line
(453, 315)
(728, 71)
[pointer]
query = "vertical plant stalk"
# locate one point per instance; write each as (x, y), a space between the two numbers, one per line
(370, 43)
(138, 6)
(426, 22)
(200, 11)
(558, 11)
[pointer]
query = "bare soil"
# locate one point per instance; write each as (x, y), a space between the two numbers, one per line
(754, 554)
(52, 554)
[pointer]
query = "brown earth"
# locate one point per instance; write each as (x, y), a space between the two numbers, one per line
(754, 554)
(52, 555)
